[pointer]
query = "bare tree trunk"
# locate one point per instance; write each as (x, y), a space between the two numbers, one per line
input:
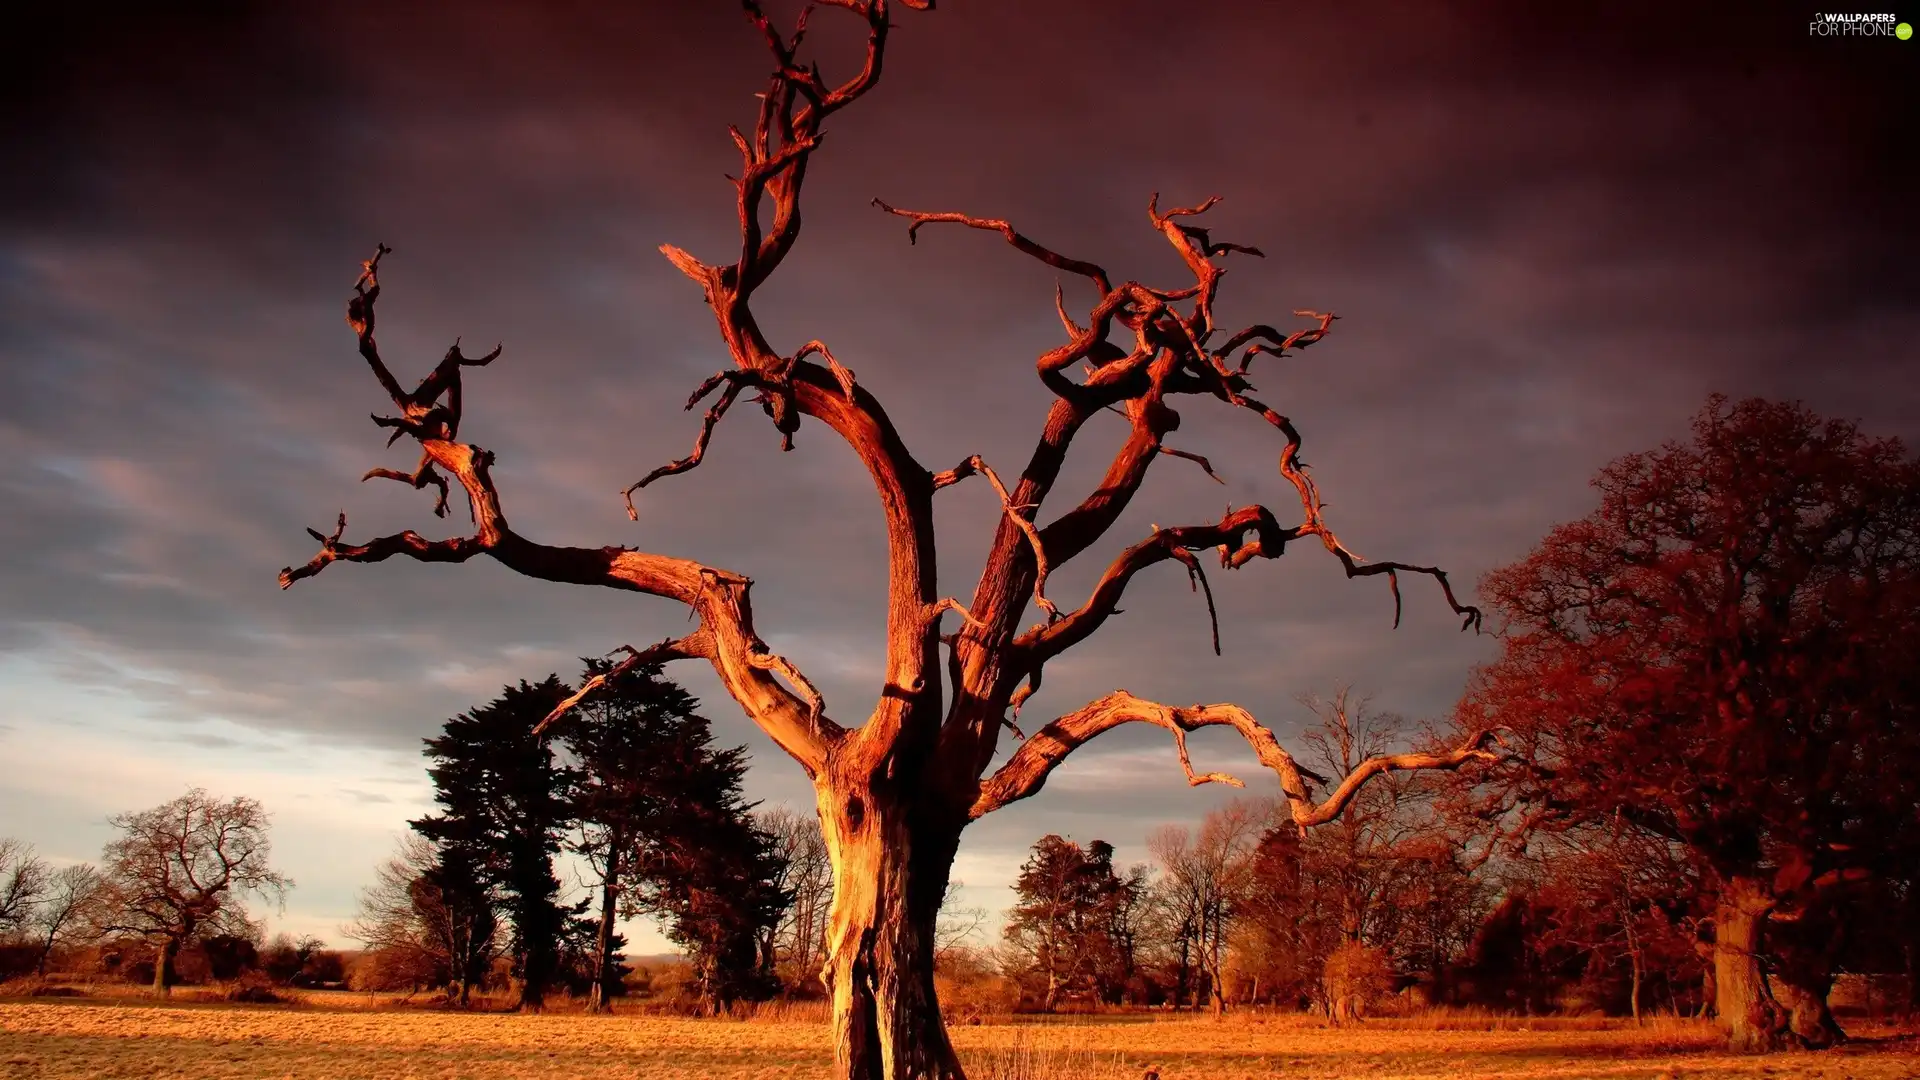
(163, 966)
(1216, 981)
(1633, 998)
(46, 954)
(604, 973)
(1753, 1021)
(1634, 959)
(890, 871)
(1186, 974)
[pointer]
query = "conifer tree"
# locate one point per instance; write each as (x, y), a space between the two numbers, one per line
(503, 811)
(660, 816)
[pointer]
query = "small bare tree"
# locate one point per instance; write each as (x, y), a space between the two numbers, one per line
(1206, 875)
(424, 923)
(956, 925)
(807, 874)
(894, 793)
(70, 908)
(182, 870)
(24, 878)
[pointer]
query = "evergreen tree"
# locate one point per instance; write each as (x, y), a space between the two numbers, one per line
(661, 818)
(636, 742)
(714, 876)
(503, 811)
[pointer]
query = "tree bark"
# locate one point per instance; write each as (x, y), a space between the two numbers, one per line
(1186, 974)
(604, 974)
(1809, 1022)
(1634, 959)
(890, 869)
(1754, 1022)
(163, 966)
(1803, 977)
(1633, 996)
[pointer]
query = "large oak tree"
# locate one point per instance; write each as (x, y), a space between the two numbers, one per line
(1723, 654)
(895, 792)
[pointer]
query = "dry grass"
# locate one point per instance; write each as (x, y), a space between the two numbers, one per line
(52, 1038)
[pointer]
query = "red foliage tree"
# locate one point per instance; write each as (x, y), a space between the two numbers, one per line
(1723, 654)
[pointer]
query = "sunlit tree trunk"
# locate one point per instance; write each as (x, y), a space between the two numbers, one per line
(163, 966)
(890, 873)
(1633, 1000)
(1633, 958)
(1752, 1019)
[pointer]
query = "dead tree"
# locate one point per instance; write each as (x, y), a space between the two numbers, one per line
(895, 792)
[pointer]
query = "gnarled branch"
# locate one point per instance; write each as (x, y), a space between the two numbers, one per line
(1018, 514)
(1026, 771)
(1019, 240)
(712, 418)
(422, 475)
(1240, 535)
(719, 598)
(697, 644)
(1315, 524)
(410, 543)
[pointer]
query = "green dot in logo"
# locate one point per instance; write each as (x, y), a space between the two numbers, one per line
(1903, 31)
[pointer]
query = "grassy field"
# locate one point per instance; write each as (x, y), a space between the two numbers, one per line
(107, 1039)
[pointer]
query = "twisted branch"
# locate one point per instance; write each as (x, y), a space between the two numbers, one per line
(765, 659)
(1026, 771)
(1018, 514)
(1315, 524)
(410, 543)
(1241, 535)
(697, 644)
(422, 475)
(1299, 339)
(726, 636)
(1020, 241)
(734, 384)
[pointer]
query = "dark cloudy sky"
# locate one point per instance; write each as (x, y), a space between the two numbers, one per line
(1549, 237)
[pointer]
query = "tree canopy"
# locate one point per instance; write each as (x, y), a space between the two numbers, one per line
(1723, 654)
(181, 872)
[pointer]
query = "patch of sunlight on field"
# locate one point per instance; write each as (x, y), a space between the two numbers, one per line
(68, 1041)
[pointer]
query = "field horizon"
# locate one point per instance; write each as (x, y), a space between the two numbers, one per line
(327, 1036)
